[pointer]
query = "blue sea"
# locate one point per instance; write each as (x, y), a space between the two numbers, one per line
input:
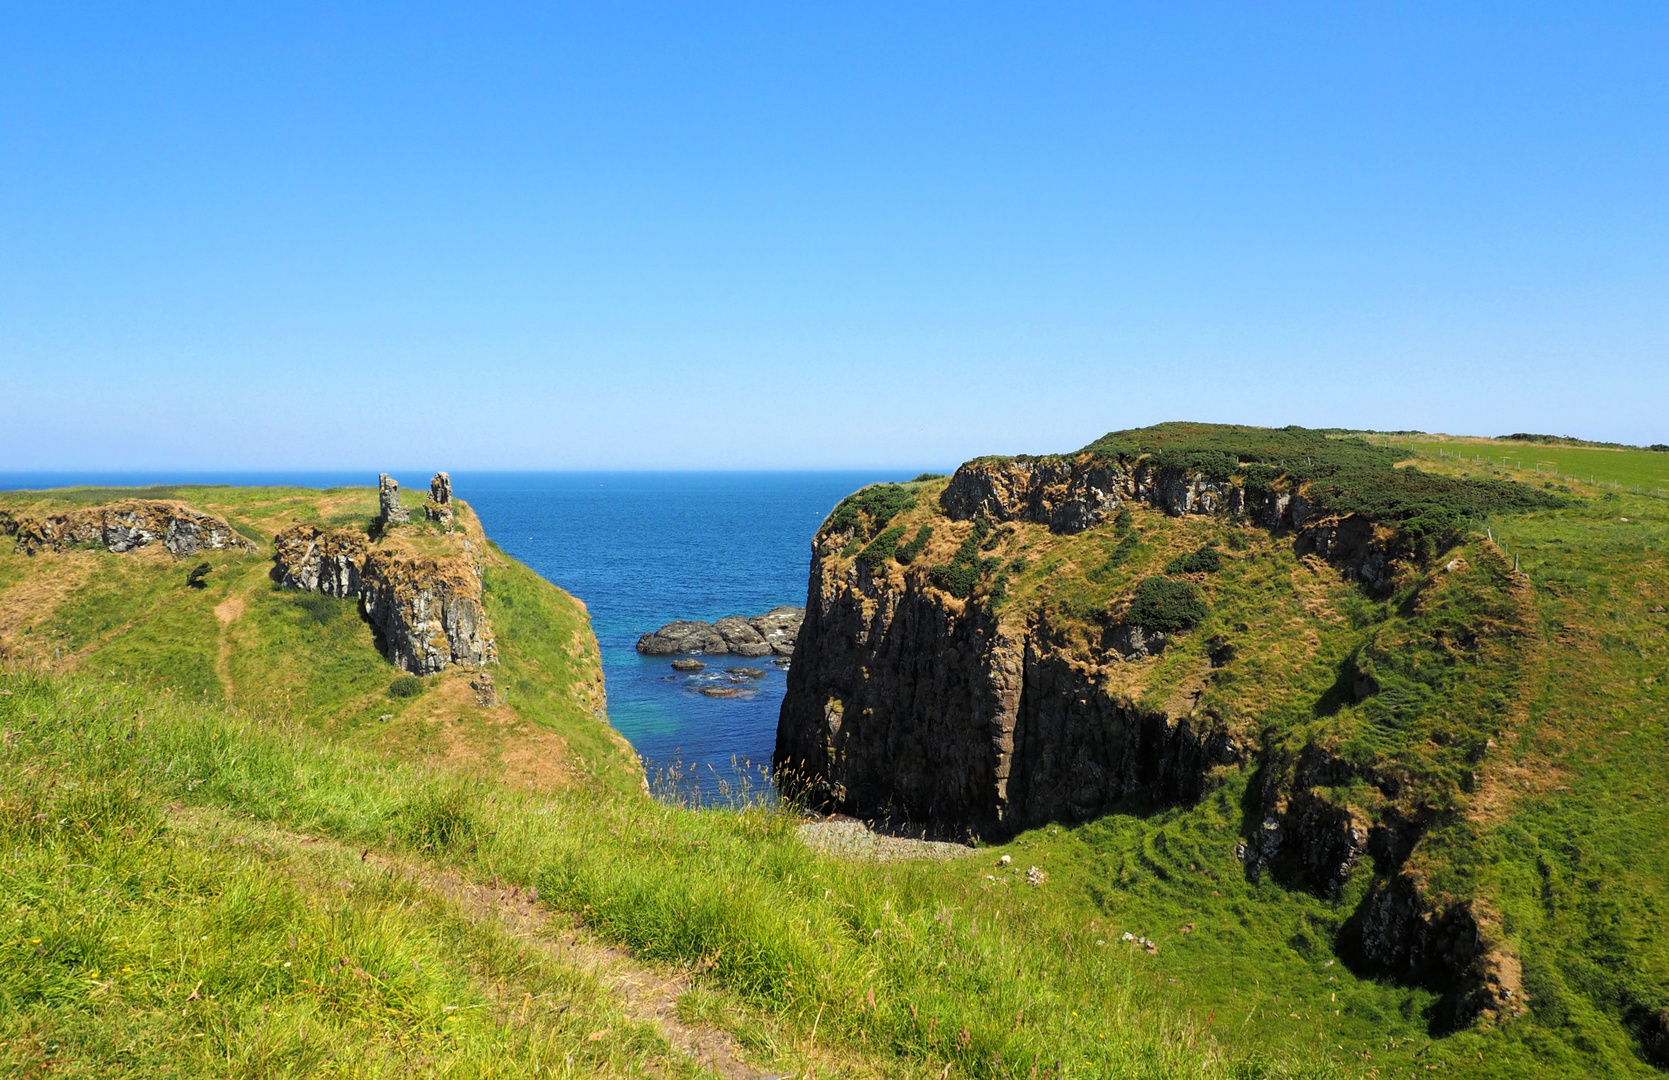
(641, 549)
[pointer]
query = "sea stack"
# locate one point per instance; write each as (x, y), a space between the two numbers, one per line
(439, 506)
(389, 510)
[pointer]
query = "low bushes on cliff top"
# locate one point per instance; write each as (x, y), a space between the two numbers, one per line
(867, 512)
(1167, 606)
(1344, 475)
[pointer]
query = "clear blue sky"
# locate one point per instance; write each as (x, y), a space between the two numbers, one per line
(292, 236)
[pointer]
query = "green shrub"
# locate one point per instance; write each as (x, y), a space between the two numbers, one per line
(1204, 561)
(1167, 606)
(405, 686)
(963, 572)
(907, 552)
(1126, 547)
(867, 512)
(928, 476)
(882, 548)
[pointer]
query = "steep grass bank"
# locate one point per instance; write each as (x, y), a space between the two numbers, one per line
(903, 967)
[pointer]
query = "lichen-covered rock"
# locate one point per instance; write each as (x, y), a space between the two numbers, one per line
(439, 504)
(426, 612)
(780, 628)
(740, 637)
(776, 631)
(319, 560)
(128, 525)
(1069, 497)
(683, 636)
(389, 510)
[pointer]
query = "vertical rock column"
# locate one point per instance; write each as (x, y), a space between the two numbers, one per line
(439, 506)
(390, 512)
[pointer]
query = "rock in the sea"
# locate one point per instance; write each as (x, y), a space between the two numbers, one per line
(776, 631)
(125, 526)
(744, 672)
(780, 628)
(684, 636)
(389, 510)
(439, 506)
(740, 637)
(722, 691)
(687, 664)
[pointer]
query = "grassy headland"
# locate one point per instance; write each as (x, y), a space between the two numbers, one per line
(217, 859)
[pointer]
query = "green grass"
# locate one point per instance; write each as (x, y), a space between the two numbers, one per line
(1646, 470)
(792, 939)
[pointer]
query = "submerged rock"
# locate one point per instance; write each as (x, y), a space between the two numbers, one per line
(744, 672)
(687, 665)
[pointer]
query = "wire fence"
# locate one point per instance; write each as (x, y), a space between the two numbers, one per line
(1550, 469)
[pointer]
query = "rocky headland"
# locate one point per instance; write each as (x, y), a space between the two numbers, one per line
(774, 632)
(924, 690)
(422, 599)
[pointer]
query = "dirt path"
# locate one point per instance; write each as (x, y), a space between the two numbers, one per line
(227, 612)
(647, 994)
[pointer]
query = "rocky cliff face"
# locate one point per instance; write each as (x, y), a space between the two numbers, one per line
(426, 610)
(908, 702)
(903, 702)
(126, 526)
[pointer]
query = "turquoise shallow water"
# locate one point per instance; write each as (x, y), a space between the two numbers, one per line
(641, 549)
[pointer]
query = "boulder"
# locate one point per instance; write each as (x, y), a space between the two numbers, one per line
(744, 672)
(684, 636)
(687, 664)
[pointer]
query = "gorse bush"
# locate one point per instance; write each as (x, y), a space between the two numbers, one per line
(907, 552)
(962, 574)
(1338, 475)
(883, 547)
(1167, 606)
(868, 512)
(405, 686)
(1206, 560)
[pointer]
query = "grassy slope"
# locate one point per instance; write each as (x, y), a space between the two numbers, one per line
(1557, 832)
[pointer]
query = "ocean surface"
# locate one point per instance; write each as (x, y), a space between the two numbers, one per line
(641, 549)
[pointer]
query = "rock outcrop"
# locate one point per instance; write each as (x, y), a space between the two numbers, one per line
(776, 631)
(389, 510)
(439, 505)
(127, 526)
(426, 610)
